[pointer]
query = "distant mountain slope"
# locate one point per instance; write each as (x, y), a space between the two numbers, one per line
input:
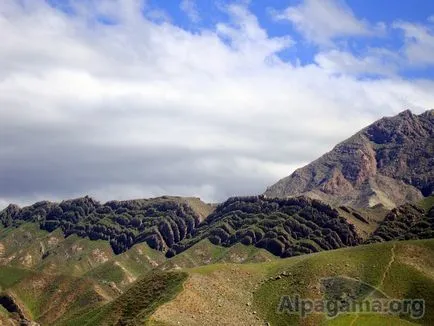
(406, 222)
(390, 162)
(160, 222)
(284, 227)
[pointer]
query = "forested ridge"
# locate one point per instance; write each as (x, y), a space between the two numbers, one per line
(407, 222)
(285, 227)
(160, 222)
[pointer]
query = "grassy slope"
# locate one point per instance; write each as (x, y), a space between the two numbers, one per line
(201, 208)
(372, 215)
(21, 247)
(30, 247)
(61, 298)
(140, 259)
(137, 303)
(76, 256)
(408, 276)
(405, 272)
(125, 268)
(12, 275)
(427, 202)
(39, 268)
(48, 297)
(204, 253)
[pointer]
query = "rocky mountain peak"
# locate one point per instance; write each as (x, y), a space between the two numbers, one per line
(390, 162)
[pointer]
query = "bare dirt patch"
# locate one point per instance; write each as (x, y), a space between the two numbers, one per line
(152, 262)
(102, 293)
(417, 257)
(2, 249)
(27, 260)
(99, 256)
(53, 241)
(222, 297)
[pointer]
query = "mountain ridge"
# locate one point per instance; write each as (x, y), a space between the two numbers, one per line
(284, 227)
(389, 162)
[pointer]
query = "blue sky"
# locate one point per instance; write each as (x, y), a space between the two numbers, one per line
(196, 16)
(130, 98)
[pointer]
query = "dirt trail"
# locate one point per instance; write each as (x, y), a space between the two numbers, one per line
(383, 277)
(354, 320)
(392, 260)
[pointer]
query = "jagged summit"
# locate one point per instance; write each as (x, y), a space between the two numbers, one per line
(390, 162)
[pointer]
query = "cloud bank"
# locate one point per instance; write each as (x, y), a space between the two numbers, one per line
(101, 98)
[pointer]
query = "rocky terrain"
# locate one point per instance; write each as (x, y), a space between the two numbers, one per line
(390, 162)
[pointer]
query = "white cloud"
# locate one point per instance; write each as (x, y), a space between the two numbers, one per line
(246, 36)
(190, 8)
(323, 21)
(378, 62)
(419, 42)
(139, 109)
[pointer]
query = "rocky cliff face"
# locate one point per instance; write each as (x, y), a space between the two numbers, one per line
(390, 162)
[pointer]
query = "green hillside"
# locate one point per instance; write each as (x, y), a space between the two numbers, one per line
(227, 271)
(135, 305)
(46, 298)
(217, 291)
(252, 292)
(399, 269)
(427, 203)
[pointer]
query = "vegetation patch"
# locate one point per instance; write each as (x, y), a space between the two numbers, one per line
(351, 273)
(159, 222)
(11, 275)
(406, 222)
(284, 227)
(135, 305)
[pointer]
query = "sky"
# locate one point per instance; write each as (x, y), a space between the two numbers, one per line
(121, 99)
